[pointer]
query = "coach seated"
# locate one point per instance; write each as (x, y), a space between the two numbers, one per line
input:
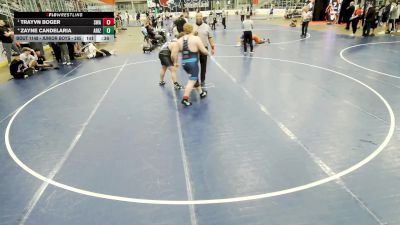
(151, 33)
(42, 63)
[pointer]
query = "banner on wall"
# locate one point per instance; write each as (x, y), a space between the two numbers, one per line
(111, 2)
(178, 5)
(100, 8)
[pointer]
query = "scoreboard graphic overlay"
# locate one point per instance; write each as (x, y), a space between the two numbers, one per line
(64, 26)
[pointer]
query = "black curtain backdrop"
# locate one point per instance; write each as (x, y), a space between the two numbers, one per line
(319, 9)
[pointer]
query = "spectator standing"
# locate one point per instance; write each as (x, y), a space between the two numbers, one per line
(242, 13)
(349, 13)
(385, 15)
(343, 14)
(398, 17)
(6, 36)
(224, 16)
(71, 50)
(376, 20)
(369, 20)
(65, 53)
(123, 20)
(392, 17)
(355, 19)
(306, 16)
(57, 51)
(128, 17)
(214, 20)
(138, 18)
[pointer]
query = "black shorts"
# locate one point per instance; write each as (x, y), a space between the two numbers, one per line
(21, 75)
(165, 58)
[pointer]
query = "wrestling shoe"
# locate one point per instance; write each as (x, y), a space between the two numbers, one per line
(186, 102)
(203, 94)
(177, 86)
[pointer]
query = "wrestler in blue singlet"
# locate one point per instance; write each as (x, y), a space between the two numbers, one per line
(190, 61)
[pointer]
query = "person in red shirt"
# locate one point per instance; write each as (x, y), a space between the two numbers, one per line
(355, 18)
(257, 39)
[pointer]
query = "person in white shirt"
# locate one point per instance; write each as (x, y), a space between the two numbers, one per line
(306, 16)
(203, 31)
(219, 13)
(214, 20)
(127, 17)
(393, 16)
(123, 20)
(242, 12)
(224, 15)
(247, 26)
(29, 57)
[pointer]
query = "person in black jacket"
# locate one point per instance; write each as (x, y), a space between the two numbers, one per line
(343, 11)
(374, 25)
(6, 38)
(369, 20)
(138, 18)
(349, 13)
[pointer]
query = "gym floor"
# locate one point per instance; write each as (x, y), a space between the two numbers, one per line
(301, 133)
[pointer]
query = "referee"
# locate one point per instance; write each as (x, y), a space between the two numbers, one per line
(202, 30)
(247, 26)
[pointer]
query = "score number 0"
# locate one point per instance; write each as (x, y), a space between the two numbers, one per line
(108, 21)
